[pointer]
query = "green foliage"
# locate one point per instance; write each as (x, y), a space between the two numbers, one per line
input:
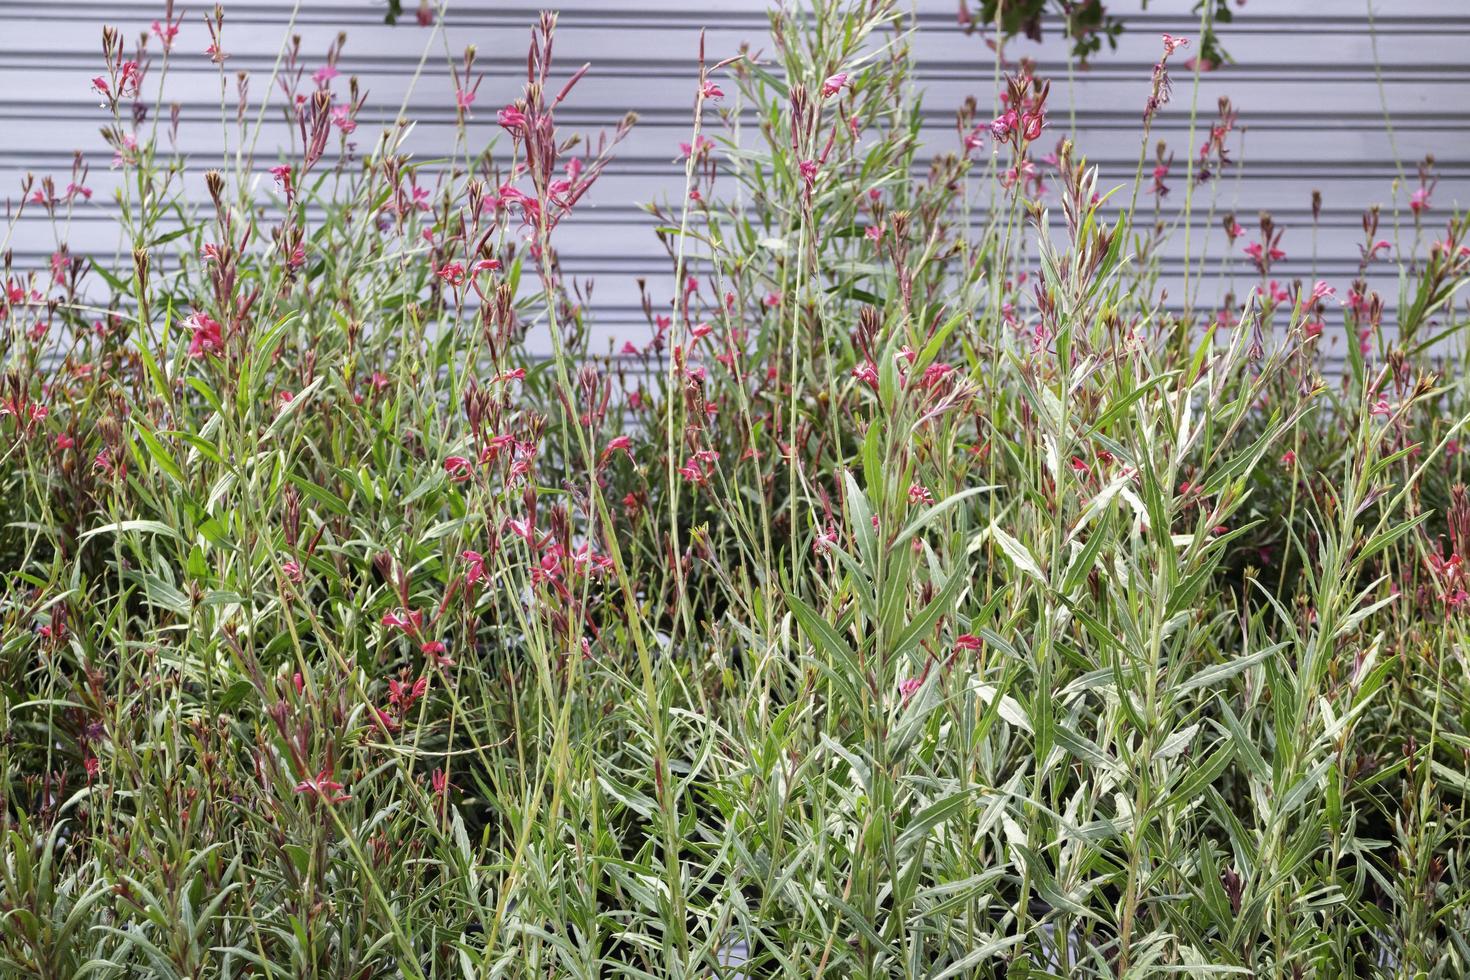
(885, 612)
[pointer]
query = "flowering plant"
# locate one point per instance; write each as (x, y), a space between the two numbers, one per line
(956, 572)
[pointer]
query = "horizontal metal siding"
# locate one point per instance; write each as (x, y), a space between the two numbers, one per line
(1304, 82)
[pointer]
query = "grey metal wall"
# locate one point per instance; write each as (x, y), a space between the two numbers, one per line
(1304, 83)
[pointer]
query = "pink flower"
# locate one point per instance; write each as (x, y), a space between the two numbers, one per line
(292, 571)
(1419, 200)
(1260, 253)
(1277, 291)
(323, 787)
(968, 642)
(475, 567)
(511, 118)
(700, 147)
(834, 84)
(1446, 568)
(436, 651)
(1172, 44)
(403, 696)
(464, 99)
(1031, 124)
(919, 494)
(1321, 290)
(206, 335)
(282, 173)
(342, 119)
(710, 90)
(324, 74)
(407, 620)
(1002, 125)
(439, 781)
(22, 410)
(166, 33)
(452, 273)
(623, 444)
(808, 170)
(458, 468)
(909, 687)
(694, 473)
(1288, 458)
(934, 374)
(491, 450)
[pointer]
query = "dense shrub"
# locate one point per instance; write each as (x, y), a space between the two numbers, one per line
(925, 595)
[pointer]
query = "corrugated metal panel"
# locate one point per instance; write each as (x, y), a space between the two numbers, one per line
(1304, 82)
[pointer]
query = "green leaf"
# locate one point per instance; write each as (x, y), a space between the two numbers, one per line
(235, 695)
(923, 624)
(823, 636)
(159, 453)
(146, 527)
(1215, 673)
(1017, 553)
(170, 236)
(860, 513)
(930, 817)
(930, 513)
